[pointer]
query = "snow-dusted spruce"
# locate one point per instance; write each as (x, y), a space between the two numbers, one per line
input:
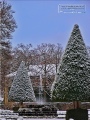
(21, 89)
(72, 81)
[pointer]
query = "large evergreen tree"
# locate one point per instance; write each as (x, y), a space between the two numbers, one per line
(72, 82)
(21, 89)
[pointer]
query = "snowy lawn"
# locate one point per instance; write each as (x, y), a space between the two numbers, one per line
(43, 119)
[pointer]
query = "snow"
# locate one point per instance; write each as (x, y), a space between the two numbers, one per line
(1, 99)
(20, 118)
(10, 114)
(42, 118)
(72, 81)
(38, 70)
(7, 114)
(21, 88)
(11, 74)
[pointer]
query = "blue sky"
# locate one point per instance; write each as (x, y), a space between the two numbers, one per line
(39, 22)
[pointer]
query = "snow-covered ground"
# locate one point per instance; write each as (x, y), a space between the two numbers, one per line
(7, 113)
(42, 119)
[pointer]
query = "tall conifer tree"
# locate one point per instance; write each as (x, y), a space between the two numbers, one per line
(21, 89)
(72, 82)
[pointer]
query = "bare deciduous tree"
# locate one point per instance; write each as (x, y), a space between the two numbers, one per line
(47, 58)
(21, 53)
(7, 26)
(41, 61)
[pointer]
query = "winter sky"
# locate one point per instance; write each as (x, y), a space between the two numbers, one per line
(39, 21)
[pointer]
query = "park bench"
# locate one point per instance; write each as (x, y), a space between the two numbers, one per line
(38, 113)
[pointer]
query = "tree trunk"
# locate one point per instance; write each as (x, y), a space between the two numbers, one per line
(76, 104)
(21, 104)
